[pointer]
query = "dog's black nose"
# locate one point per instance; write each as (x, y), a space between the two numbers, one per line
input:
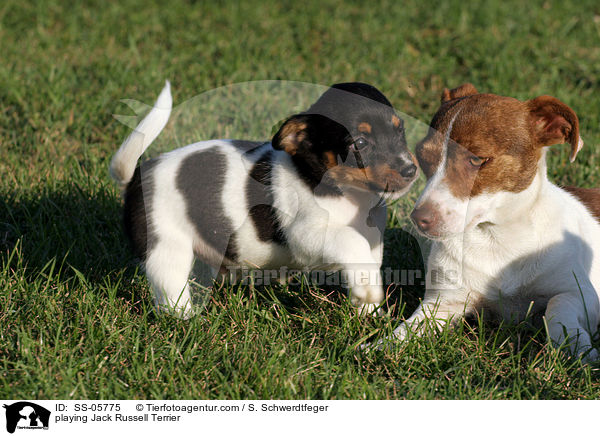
(408, 172)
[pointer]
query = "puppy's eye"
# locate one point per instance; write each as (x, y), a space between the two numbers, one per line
(478, 161)
(359, 144)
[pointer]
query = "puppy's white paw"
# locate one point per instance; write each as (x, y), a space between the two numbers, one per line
(180, 312)
(367, 299)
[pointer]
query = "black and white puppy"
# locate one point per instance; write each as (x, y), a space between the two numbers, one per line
(312, 198)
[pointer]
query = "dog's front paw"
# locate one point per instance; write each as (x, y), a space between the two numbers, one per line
(367, 299)
(182, 312)
(394, 340)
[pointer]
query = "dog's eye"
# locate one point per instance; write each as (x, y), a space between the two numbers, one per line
(359, 144)
(478, 161)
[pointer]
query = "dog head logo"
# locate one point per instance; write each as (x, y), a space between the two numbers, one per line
(26, 415)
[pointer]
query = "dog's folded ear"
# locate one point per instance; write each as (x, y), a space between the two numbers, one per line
(292, 134)
(463, 90)
(555, 123)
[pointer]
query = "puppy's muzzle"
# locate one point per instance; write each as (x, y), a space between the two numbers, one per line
(401, 178)
(409, 171)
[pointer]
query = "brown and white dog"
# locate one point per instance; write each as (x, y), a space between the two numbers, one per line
(310, 198)
(504, 237)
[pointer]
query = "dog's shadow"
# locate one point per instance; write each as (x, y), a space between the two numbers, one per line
(81, 231)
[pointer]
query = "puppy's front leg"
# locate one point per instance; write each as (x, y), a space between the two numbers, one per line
(570, 317)
(346, 247)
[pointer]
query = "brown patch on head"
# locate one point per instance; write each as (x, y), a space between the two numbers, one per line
(506, 133)
(290, 135)
(365, 127)
(429, 152)
(504, 172)
(462, 91)
(493, 128)
(379, 177)
(396, 121)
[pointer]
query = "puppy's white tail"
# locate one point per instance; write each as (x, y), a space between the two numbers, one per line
(123, 163)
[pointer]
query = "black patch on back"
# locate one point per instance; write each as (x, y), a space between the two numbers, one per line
(136, 212)
(201, 179)
(260, 201)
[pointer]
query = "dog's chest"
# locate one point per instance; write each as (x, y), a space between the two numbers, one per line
(504, 278)
(361, 211)
(341, 210)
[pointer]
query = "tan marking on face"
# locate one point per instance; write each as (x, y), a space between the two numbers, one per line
(365, 127)
(330, 159)
(395, 121)
(414, 160)
(379, 177)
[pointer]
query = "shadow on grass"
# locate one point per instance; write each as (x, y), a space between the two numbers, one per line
(75, 228)
(82, 230)
(403, 271)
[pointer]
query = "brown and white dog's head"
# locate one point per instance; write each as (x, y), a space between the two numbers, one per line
(350, 137)
(482, 155)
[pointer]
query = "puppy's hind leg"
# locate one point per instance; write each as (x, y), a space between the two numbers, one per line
(168, 268)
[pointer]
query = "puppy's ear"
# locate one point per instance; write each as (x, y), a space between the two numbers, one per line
(462, 91)
(291, 134)
(554, 123)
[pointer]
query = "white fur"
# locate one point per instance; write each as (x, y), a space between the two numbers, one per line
(537, 247)
(321, 232)
(124, 161)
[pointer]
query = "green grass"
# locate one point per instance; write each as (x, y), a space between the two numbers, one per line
(75, 312)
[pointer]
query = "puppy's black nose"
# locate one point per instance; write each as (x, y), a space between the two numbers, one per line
(409, 171)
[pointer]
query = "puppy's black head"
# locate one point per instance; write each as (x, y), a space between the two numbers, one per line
(350, 137)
